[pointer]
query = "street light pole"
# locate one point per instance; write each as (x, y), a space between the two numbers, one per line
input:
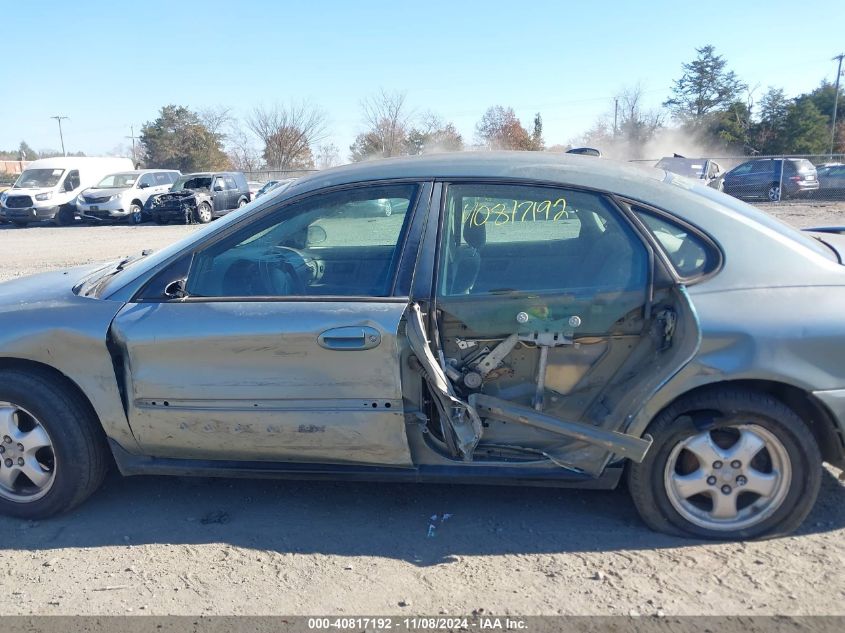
(61, 136)
(835, 102)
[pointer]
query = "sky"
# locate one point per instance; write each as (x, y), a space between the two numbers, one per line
(109, 65)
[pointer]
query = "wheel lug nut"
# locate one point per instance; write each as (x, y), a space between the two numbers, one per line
(726, 489)
(736, 464)
(711, 480)
(8, 462)
(717, 464)
(20, 461)
(7, 439)
(741, 480)
(2, 449)
(20, 446)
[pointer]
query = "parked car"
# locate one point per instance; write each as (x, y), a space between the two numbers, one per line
(48, 188)
(272, 185)
(761, 178)
(254, 186)
(704, 169)
(200, 198)
(523, 318)
(122, 196)
(831, 181)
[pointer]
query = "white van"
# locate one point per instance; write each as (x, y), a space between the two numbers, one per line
(48, 187)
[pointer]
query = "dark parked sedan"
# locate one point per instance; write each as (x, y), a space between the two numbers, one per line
(771, 179)
(518, 318)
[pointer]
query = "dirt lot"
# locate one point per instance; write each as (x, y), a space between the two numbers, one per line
(196, 546)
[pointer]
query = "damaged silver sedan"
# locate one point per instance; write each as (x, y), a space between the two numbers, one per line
(515, 319)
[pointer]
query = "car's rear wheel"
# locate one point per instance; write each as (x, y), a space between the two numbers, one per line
(52, 450)
(204, 215)
(241, 203)
(727, 464)
(774, 192)
(136, 213)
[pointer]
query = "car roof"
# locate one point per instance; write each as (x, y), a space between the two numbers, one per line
(588, 171)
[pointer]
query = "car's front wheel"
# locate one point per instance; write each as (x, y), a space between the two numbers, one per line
(727, 464)
(204, 214)
(52, 450)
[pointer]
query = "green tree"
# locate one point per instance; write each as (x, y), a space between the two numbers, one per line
(807, 131)
(537, 134)
(178, 139)
(25, 152)
(706, 86)
(769, 132)
(730, 128)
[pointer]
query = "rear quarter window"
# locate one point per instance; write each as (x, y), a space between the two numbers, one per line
(691, 255)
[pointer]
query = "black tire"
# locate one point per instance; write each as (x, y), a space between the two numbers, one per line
(136, 213)
(242, 202)
(204, 214)
(66, 215)
(728, 407)
(79, 445)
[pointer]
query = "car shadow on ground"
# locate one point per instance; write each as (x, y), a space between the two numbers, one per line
(422, 524)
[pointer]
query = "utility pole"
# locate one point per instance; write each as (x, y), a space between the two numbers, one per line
(61, 137)
(615, 116)
(133, 137)
(835, 102)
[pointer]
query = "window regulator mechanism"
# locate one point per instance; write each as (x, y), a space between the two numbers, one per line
(549, 334)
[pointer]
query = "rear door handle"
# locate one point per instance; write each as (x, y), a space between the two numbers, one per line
(354, 337)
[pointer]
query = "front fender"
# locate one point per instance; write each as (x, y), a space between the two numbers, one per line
(43, 321)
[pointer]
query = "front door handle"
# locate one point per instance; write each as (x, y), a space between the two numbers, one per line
(350, 338)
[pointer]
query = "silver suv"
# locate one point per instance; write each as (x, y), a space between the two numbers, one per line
(122, 196)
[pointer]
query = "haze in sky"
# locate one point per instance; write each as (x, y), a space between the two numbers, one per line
(112, 64)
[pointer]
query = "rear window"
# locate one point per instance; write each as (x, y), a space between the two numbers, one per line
(804, 165)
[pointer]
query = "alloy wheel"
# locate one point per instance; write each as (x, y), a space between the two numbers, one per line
(27, 458)
(728, 478)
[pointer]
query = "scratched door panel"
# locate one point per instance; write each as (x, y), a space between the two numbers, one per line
(249, 380)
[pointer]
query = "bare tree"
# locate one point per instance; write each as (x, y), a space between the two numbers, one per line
(288, 133)
(328, 155)
(386, 120)
(637, 125)
(216, 119)
(242, 149)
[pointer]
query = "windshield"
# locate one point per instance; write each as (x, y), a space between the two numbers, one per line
(192, 182)
(117, 181)
(32, 178)
(689, 167)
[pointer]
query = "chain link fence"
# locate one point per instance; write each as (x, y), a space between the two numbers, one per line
(769, 179)
(265, 175)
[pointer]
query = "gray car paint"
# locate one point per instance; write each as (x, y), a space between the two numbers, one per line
(772, 312)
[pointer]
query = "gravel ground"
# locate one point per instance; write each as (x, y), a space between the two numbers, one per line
(200, 546)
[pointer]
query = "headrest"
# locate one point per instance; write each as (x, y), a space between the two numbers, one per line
(475, 235)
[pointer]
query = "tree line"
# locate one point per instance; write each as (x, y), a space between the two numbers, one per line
(708, 103)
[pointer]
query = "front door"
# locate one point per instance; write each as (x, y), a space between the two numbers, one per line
(285, 345)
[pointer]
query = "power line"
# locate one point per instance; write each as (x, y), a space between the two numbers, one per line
(59, 118)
